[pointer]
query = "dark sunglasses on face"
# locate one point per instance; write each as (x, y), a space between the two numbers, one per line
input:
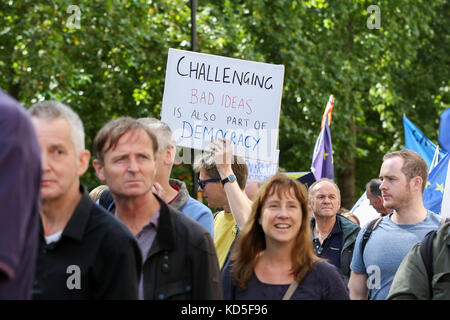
(202, 183)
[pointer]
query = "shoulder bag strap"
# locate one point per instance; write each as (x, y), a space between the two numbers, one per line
(290, 291)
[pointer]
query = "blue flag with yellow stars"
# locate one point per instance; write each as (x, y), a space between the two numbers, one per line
(434, 190)
(415, 140)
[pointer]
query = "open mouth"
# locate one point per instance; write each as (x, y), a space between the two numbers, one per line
(282, 226)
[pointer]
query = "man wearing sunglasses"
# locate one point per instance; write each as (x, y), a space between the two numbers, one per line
(222, 182)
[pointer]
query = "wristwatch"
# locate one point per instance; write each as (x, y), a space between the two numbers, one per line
(230, 178)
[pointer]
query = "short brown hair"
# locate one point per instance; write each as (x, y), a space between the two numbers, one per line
(108, 136)
(206, 161)
(413, 164)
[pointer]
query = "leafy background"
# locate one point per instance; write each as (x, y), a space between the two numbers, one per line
(114, 65)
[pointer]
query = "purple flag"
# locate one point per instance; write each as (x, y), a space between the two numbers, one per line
(322, 164)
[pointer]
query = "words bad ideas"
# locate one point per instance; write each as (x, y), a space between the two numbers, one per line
(226, 101)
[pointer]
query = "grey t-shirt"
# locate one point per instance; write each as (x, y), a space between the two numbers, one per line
(387, 246)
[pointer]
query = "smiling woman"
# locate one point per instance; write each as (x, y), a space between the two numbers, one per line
(274, 252)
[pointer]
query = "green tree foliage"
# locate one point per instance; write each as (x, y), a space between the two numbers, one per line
(114, 65)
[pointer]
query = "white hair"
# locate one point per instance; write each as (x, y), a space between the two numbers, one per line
(162, 132)
(56, 110)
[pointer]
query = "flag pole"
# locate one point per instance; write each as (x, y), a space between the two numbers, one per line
(445, 208)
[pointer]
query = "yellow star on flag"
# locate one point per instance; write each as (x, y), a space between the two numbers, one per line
(440, 187)
(325, 155)
(428, 184)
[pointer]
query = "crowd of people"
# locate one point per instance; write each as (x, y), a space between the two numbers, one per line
(140, 235)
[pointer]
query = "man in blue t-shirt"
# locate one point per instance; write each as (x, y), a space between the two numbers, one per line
(20, 180)
(404, 176)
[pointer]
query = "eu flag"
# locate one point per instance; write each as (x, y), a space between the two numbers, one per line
(322, 163)
(415, 140)
(434, 190)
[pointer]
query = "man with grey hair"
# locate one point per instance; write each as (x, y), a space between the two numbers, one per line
(79, 256)
(333, 235)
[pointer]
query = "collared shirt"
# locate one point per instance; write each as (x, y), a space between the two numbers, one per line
(145, 239)
(96, 257)
(331, 247)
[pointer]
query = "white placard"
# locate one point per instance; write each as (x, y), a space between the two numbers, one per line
(262, 170)
(208, 97)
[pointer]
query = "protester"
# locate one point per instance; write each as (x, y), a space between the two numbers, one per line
(174, 191)
(20, 179)
(373, 193)
(333, 235)
(84, 252)
(179, 259)
(419, 279)
(404, 176)
(275, 250)
(222, 182)
(252, 187)
(96, 193)
(346, 213)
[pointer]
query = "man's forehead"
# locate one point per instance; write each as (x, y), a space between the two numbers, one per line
(325, 187)
(131, 136)
(391, 169)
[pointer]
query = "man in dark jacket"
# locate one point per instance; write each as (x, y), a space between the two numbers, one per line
(412, 281)
(84, 252)
(179, 259)
(334, 236)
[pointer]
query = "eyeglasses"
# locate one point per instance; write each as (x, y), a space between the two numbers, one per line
(202, 183)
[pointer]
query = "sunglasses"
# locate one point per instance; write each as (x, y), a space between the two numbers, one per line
(202, 183)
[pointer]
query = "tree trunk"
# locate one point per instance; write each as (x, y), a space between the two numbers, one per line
(346, 177)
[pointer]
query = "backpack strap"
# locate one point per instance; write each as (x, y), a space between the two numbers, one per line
(426, 252)
(370, 227)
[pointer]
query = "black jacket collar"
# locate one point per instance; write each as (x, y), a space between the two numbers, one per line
(165, 235)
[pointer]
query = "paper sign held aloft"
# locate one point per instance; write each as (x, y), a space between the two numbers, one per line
(209, 97)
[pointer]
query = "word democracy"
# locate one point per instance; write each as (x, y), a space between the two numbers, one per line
(206, 72)
(207, 133)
